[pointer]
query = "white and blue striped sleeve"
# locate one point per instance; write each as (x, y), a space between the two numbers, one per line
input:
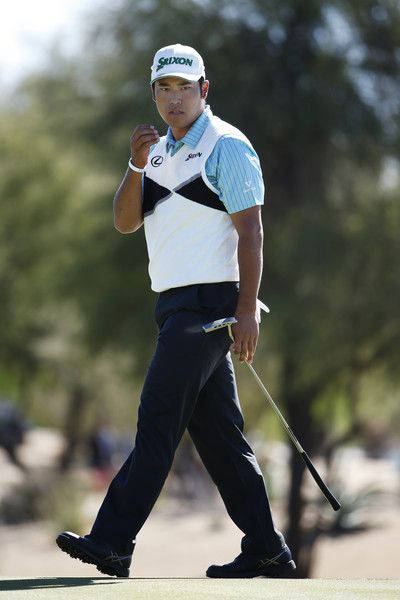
(233, 168)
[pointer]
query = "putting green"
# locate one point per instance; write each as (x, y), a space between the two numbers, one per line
(106, 588)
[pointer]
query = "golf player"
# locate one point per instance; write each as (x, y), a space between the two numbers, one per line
(198, 191)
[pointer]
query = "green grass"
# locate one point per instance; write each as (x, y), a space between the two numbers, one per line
(106, 588)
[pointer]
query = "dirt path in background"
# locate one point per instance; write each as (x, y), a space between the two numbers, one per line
(183, 545)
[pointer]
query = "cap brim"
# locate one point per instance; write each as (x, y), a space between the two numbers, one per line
(186, 76)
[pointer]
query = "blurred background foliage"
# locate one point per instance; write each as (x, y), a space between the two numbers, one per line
(316, 86)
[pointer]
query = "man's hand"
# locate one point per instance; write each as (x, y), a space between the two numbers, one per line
(142, 138)
(245, 332)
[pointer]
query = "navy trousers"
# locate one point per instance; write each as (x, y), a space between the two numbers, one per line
(190, 384)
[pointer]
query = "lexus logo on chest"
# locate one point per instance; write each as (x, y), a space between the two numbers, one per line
(156, 161)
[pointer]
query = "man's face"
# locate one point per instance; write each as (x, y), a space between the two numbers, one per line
(179, 101)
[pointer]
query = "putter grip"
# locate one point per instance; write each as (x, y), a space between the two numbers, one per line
(324, 489)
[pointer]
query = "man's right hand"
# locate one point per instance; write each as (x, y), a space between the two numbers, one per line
(142, 138)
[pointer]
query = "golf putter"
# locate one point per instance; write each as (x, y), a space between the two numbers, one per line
(228, 322)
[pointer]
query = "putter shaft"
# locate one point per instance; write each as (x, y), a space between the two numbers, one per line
(317, 478)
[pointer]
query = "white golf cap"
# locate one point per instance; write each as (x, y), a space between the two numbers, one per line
(177, 61)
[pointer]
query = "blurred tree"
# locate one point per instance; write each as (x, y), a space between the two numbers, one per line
(35, 189)
(46, 213)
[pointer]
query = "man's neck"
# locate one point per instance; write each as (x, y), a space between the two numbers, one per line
(180, 132)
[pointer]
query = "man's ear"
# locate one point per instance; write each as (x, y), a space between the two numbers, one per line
(204, 89)
(153, 91)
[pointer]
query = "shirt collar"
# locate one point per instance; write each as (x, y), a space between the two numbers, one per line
(192, 137)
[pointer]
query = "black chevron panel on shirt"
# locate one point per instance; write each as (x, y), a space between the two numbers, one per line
(152, 193)
(197, 191)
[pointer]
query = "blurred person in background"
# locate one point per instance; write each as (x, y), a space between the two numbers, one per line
(101, 448)
(12, 432)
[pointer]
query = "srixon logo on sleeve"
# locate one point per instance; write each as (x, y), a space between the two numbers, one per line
(193, 156)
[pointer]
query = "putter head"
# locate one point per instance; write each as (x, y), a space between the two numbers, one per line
(219, 324)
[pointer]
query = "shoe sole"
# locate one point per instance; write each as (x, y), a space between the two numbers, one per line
(285, 571)
(71, 547)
